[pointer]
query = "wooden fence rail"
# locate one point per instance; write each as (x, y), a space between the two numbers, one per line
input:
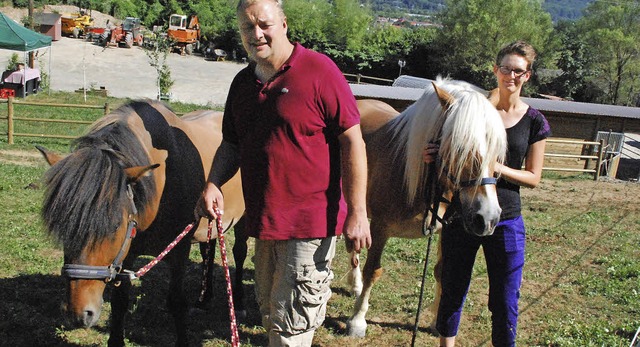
(11, 119)
(362, 79)
(597, 155)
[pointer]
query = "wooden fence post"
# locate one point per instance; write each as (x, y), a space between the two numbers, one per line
(106, 108)
(10, 120)
(599, 160)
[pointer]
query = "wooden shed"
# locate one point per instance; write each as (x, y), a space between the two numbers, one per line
(50, 24)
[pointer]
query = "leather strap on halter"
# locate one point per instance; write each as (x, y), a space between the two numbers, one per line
(433, 198)
(106, 273)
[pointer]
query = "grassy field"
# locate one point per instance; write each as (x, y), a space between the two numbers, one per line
(581, 283)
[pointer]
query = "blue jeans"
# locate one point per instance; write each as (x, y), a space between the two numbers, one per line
(504, 253)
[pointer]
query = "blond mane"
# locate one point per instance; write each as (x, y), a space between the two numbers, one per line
(471, 130)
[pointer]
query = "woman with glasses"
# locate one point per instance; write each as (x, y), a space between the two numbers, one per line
(527, 130)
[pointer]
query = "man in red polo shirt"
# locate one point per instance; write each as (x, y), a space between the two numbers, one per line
(292, 125)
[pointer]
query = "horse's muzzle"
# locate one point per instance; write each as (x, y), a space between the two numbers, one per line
(480, 225)
(86, 317)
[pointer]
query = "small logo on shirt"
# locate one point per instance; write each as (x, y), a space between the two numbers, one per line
(284, 91)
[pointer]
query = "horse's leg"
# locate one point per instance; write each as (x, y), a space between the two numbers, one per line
(119, 307)
(208, 254)
(437, 275)
(357, 324)
(176, 300)
(239, 256)
(355, 275)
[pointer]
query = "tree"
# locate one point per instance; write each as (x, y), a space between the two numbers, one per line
(308, 22)
(573, 62)
(474, 31)
(349, 23)
(218, 22)
(612, 30)
(157, 56)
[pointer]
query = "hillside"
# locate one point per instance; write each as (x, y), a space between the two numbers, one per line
(18, 13)
(559, 9)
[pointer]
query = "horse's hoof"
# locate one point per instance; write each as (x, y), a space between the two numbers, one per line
(356, 331)
(241, 315)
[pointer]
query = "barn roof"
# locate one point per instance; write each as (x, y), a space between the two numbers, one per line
(583, 108)
(409, 88)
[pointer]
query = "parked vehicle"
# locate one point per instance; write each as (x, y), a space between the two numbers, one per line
(128, 33)
(75, 24)
(184, 32)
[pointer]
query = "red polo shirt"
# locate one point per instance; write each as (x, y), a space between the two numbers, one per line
(286, 130)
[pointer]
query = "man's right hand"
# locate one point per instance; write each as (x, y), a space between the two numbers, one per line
(210, 200)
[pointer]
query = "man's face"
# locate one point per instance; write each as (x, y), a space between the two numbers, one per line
(263, 29)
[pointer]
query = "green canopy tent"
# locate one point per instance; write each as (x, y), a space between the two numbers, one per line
(16, 37)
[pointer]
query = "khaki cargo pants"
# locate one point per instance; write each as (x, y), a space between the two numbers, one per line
(292, 286)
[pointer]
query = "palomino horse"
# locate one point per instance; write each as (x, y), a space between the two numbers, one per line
(472, 138)
(128, 188)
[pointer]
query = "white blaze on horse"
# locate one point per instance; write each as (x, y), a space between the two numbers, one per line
(128, 188)
(472, 139)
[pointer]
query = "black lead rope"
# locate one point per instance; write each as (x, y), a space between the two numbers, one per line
(431, 194)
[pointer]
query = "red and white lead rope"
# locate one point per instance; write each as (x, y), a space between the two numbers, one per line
(235, 340)
(143, 270)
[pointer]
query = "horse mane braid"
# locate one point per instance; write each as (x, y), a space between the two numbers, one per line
(85, 192)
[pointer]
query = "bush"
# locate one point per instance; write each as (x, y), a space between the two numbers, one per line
(12, 63)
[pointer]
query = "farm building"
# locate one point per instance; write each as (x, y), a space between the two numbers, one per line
(618, 126)
(50, 24)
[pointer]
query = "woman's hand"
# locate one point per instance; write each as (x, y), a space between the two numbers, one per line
(430, 152)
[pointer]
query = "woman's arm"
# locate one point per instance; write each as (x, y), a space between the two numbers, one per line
(530, 176)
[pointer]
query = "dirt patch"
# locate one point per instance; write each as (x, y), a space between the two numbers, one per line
(554, 192)
(21, 157)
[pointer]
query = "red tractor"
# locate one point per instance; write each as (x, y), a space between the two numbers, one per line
(128, 33)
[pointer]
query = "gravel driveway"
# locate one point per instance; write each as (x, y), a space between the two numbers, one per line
(126, 72)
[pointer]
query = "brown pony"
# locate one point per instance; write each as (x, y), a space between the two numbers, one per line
(128, 188)
(472, 138)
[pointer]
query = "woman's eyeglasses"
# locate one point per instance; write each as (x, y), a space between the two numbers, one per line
(517, 73)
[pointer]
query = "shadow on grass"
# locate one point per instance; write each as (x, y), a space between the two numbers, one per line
(30, 312)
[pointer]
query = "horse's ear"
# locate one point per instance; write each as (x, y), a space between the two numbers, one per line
(494, 97)
(50, 157)
(446, 100)
(135, 172)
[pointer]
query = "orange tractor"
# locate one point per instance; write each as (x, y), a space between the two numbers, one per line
(184, 32)
(128, 33)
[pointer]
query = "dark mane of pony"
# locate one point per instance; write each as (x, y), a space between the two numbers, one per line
(86, 191)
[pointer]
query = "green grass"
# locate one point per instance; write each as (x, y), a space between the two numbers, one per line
(581, 280)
